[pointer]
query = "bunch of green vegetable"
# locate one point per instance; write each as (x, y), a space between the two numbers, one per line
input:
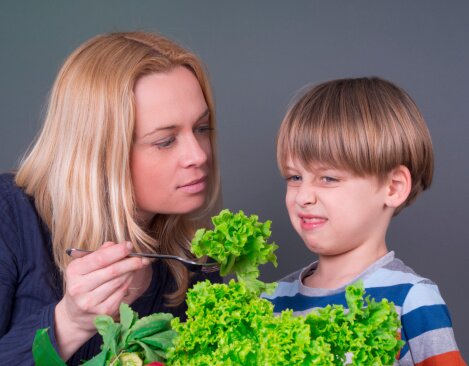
(131, 342)
(230, 324)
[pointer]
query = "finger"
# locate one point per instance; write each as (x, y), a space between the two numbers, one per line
(117, 269)
(93, 300)
(101, 258)
(91, 281)
(108, 289)
(111, 304)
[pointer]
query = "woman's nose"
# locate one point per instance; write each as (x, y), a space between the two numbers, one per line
(194, 152)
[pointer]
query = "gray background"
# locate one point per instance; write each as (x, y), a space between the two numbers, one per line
(259, 53)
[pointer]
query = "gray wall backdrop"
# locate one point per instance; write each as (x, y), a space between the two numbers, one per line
(259, 53)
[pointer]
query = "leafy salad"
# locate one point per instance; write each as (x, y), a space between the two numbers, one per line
(230, 324)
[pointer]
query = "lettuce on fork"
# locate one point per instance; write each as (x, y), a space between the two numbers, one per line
(229, 324)
(239, 244)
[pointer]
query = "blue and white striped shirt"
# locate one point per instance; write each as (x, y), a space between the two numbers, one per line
(426, 323)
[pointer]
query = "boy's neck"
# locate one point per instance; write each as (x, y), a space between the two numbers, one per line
(338, 270)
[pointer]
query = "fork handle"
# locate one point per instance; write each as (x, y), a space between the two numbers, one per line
(154, 255)
(191, 265)
(79, 253)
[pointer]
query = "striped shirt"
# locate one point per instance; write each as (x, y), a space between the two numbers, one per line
(426, 323)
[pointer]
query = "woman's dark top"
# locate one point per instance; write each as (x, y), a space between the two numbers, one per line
(31, 285)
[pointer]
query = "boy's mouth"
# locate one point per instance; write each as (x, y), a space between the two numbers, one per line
(312, 221)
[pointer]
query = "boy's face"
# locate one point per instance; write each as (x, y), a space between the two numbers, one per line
(335, 211)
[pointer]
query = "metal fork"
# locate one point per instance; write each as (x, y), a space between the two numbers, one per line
(190, 265)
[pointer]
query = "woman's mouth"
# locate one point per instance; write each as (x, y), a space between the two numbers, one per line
(195, 186)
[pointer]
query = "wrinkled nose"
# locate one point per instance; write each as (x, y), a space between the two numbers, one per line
(306, 196)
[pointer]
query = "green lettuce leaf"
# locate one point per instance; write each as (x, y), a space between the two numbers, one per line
(132, 339)
(239, 244)
(44, 353)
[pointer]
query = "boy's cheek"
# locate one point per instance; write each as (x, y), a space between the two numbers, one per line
(290, 200)
(295, 221)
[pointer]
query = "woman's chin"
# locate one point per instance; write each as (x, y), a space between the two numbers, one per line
(187, 207)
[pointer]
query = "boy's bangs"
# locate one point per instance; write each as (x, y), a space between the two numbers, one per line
(339, 128)
(310, 143)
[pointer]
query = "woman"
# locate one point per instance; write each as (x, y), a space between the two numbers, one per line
(125, 162)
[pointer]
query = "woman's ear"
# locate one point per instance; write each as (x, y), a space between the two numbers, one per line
(398, 184)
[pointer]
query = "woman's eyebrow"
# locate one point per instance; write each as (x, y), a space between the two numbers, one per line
(164, 128)
(172, 127)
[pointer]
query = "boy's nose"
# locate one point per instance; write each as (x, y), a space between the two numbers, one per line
(306, 197)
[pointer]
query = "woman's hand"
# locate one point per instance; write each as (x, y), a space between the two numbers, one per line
(96, 284)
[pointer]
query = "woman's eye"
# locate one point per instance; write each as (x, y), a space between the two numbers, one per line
(203, 129)
(162, 144)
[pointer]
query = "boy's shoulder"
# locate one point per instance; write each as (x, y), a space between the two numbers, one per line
(392, 271)
(425, 318)
(400, 284)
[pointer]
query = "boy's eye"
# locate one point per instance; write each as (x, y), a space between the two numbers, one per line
(327, 179)
(293, 178)
(203, 129)
(165, 143)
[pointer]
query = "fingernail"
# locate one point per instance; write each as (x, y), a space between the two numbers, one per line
(145, 261)
(129, 245)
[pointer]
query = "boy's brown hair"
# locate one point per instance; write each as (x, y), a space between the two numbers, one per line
(367, 126)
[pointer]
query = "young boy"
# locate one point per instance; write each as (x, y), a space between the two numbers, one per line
(354, 152)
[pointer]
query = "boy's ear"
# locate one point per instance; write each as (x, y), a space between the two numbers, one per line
(398, 186)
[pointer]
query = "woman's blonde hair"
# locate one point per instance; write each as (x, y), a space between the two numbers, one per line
(367, 126)
(78, 170)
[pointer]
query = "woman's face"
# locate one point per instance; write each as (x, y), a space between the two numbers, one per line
(171, 153)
